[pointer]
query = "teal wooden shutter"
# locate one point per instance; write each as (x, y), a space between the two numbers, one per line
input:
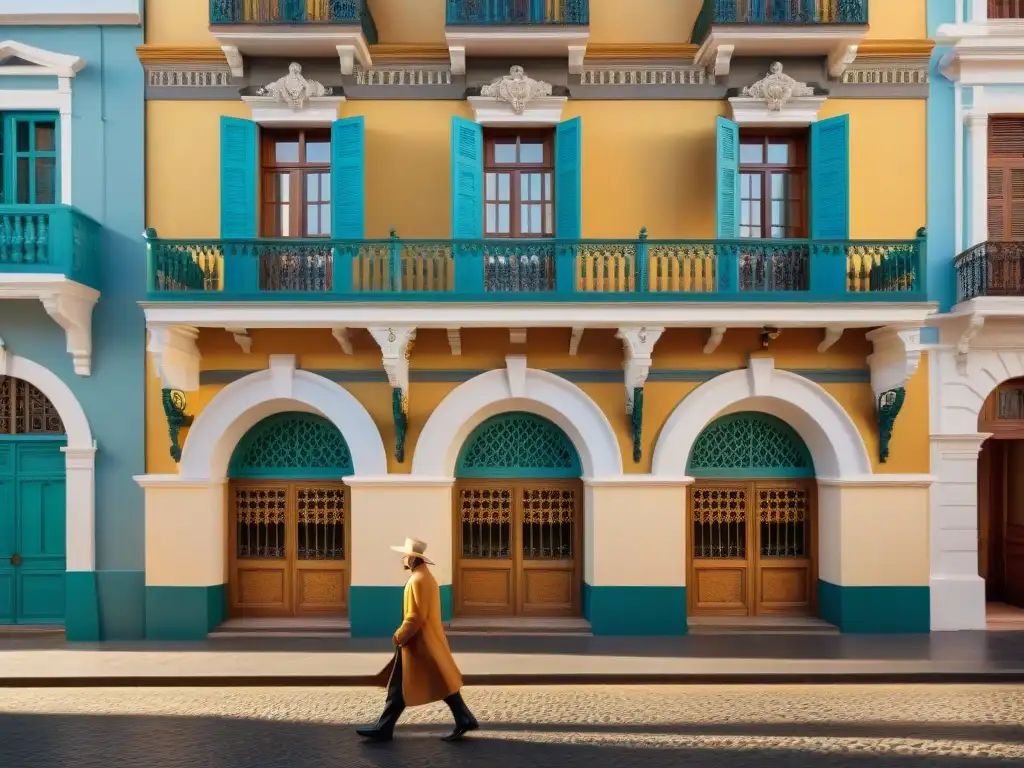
(467, 180)
(728, 207)
(348, 151)
(569, 180)
(830, 179)
(238, 167)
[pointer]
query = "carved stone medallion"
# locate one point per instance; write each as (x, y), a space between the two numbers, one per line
(517, 89)
(777, 88)
(293, 89)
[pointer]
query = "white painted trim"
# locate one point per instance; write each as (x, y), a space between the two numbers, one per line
(61, 19)
(79, 457)
(958, 170)
(830, 434)
(696, 314)
(545, 110)
(243, 403)
(983, 51)
(44, 62)
(724, 41)
(164, 481)
(879, 481)
(398, 481)
(317, 111)
(638, 481)
(543, 393)
(797, 112)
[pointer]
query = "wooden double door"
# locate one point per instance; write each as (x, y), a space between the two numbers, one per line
(289, 547)
(518, 548)
(1001, 519)
(752, 548)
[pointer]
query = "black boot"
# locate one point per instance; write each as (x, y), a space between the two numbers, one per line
(464, 720)
(394, 706)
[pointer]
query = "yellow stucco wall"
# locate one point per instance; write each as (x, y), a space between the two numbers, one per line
(486, 349)
(663, 152)
(189, 513)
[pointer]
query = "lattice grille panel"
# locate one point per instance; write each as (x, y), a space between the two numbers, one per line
(292, 444)
(24, 410)
(719, 522)
(261, 522)
(321, 523)
(549, 518)
(783, 514)
(518, 442)
(486, 522)
(749, 441)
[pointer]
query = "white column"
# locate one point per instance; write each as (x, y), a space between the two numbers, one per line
(957, 591)
(80, 508)
(978, 11)
(977, 129)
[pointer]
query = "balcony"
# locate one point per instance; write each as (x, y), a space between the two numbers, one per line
(990, 269)
(517, 28)
(343, 28)
(501, 271)
(52, 253)
(727, 28)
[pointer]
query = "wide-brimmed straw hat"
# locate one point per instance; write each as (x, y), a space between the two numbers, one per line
(413, 548)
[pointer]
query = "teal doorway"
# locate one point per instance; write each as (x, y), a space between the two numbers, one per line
(33, 542)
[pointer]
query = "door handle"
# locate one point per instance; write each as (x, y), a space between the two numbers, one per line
(15, 559)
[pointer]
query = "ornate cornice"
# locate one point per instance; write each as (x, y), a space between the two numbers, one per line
(408, 53)
(640, 52)
(895, 49)
(180, 54)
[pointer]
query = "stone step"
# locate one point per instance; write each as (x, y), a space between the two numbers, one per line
(519, 625)
(760, 625)
(304, 626)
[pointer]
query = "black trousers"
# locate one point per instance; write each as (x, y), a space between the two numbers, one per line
(394, 706)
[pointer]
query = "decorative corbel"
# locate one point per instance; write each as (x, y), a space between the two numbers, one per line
(242, 339)
(963, 345)
(175, 356)
(177, 419)
(341, 336)
(638, 347)
(831, 336)
(575, 337)
(395, 346)
(234, 59)
(896, 357)
(715, 336)
(455, 341)
(73, 313)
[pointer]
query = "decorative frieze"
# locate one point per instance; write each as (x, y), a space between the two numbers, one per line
(160, 77)
(646, 75)
(872, 73)
(404, 75)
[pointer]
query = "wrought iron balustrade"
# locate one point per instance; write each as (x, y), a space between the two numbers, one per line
(780, 12)
(297, 12)
(394, 269)
(510, 13)
(990, 269)
(1006, 9)
(51, 239)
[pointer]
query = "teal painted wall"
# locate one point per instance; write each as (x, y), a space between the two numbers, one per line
(184, 613)
(377, 611)
(875, 610)
(108, 164)
(635, 611)
(941, 127)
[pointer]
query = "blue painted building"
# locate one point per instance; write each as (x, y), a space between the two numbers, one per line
(72, 357)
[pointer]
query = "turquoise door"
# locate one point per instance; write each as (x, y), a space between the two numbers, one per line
(33, 547)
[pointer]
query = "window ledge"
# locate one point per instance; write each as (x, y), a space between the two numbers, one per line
(294, 101)
(795, 113)
(517, 100)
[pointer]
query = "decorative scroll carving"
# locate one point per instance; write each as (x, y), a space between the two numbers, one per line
(516, 89)
(890, 403)
(293, 89)
(177, 419)
(777, 88)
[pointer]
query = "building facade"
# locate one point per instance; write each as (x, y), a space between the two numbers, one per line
(71, 275)
(617, 306)
(976, 113)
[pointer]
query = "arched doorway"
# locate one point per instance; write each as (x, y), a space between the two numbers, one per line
(752, 519)
(33, 506)
(289, 537)
(1001, 498)
(517, 521)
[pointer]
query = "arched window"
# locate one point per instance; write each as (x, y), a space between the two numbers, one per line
(24, 410)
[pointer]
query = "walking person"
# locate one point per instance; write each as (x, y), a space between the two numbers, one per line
(423, 669)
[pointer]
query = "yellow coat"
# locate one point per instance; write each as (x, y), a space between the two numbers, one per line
(429, 672)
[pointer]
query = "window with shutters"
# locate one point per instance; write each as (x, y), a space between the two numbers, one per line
(296, 186)
(773, 184)
(1006, 9)
(1006, 178)
(29, 159)
(519, 184)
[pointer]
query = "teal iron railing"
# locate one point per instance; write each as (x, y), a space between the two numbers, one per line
(50, 239)
(792, 12)
(301, 12)
(510, 13)
(990, 269)
(536, 270)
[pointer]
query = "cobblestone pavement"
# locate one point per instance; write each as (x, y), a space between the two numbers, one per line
(562, 727)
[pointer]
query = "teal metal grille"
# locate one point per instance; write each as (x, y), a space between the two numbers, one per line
(292, 445)
(749, 445)
(518, 445)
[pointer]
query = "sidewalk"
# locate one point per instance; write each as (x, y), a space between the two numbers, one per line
(961, 657)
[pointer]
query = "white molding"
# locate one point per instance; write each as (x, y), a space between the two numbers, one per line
(79, 457)
(174, 481)
(400, 481)
(542, 41)
(983, 52)
(543, 393)
(880, 481)
(175, 356)
(319, 111)
(895, 359)
(46, 63)
(457, 58)
(796, 113)
(638, 481)
(517, 99)
(68, 303)
(395, 345)
(683, 314)
(830, 434)
(836, 41)
(638, 350)
(243, 403)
